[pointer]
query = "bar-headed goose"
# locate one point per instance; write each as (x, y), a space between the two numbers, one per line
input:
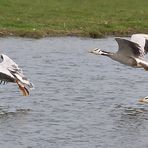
(131, 52)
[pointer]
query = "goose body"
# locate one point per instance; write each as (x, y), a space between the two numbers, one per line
(10, 72)
(130, 52)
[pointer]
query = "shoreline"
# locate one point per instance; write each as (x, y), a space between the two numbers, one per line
(36, 34)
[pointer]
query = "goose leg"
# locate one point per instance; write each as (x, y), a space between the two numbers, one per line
(143, 64)
(23, 89)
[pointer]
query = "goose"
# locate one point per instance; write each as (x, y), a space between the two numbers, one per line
(130, 52)
(10, 72)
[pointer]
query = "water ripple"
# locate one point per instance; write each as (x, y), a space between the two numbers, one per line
(81, 100)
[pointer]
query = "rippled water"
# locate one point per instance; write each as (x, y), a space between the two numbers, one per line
(80, 100)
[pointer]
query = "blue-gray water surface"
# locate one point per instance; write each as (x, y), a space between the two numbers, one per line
(80, 100)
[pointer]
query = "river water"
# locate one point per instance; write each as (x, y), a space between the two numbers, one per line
(80, 100)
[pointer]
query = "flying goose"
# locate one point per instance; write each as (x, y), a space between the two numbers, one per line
(10, 72)
(130, 52)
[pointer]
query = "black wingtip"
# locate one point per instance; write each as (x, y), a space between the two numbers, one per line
(146, 46)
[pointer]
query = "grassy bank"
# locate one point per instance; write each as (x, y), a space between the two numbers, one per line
(94, 18)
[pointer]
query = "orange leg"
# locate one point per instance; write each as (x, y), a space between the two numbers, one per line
(23, 89)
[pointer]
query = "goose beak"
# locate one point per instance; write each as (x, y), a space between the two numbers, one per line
(95, 51)
(91, 50)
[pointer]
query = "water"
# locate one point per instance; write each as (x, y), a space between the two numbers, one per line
(80, 100)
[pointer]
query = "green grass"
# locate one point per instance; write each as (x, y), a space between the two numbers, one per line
(37, 18)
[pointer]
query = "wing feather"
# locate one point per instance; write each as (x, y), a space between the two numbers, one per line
(129, 48)
(10, 72)
(146, 46)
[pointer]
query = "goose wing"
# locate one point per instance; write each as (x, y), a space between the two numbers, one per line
(142, 40)
(5, 74)
(129, 48)
(9, 65)
(9, 71)
(14, 70)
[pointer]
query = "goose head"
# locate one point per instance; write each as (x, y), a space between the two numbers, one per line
(96, 51)
(144, 100)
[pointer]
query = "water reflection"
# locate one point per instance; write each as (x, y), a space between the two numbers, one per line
(130, 126)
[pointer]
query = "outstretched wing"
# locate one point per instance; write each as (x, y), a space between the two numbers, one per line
(9, 64)
(13, 68)
(5, 74)
(141, 40)
(10, 72)
(129, 48)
